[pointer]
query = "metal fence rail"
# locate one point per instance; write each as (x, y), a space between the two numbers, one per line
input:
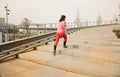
(13, 33)
(14, 48)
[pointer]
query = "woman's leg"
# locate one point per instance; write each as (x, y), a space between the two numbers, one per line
(57, 39)
(65, 40)
(56, 42)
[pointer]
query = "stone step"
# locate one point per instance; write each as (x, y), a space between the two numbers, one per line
(93, 42)
(87, 46)
(91, 52)
(23, 68)
(108, 49)
(96, 56)
(94, 33)
(89, 39)
(72, 64)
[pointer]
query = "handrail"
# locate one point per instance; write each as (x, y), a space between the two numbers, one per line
(14, 48)
(11, 52)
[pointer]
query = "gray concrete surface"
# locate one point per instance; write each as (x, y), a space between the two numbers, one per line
(93, 52)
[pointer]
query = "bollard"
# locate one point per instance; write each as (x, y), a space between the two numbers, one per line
(34, 48)
(16, 56)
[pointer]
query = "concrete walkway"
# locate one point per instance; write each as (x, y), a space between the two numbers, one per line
(93, 52)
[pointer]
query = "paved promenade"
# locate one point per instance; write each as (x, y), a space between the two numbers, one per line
(92, 52)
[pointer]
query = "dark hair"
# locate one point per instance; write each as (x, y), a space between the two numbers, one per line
(62, 18)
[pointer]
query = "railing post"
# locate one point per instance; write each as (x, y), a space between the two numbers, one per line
(14, 32)
(34, 48)
(7, 33)
(68, 26)
(44, 28)
(56, 26)
(50, 27)
(16, 56)
(37, 29)
(71, 25)
(46, 43)
(74, 24)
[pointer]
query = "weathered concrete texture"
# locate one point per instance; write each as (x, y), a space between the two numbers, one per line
(72, 64)
(22, 68)
(93, 55)
(93, 52)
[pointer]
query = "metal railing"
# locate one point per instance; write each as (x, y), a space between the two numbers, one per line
(18, 47)
(13, 33)
(15, 47)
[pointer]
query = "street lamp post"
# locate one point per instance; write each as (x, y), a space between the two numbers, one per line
(7, 13)
(119, 14)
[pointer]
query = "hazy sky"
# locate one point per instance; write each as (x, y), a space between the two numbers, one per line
(45, 11)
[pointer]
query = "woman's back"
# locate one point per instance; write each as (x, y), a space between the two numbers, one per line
(61, 27)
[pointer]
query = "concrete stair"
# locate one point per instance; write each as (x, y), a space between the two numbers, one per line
(69, 63)
(86, 54)
(93, 52)
(23, 68)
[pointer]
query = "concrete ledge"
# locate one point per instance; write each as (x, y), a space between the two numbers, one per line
(99, 56)
(71, 64)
